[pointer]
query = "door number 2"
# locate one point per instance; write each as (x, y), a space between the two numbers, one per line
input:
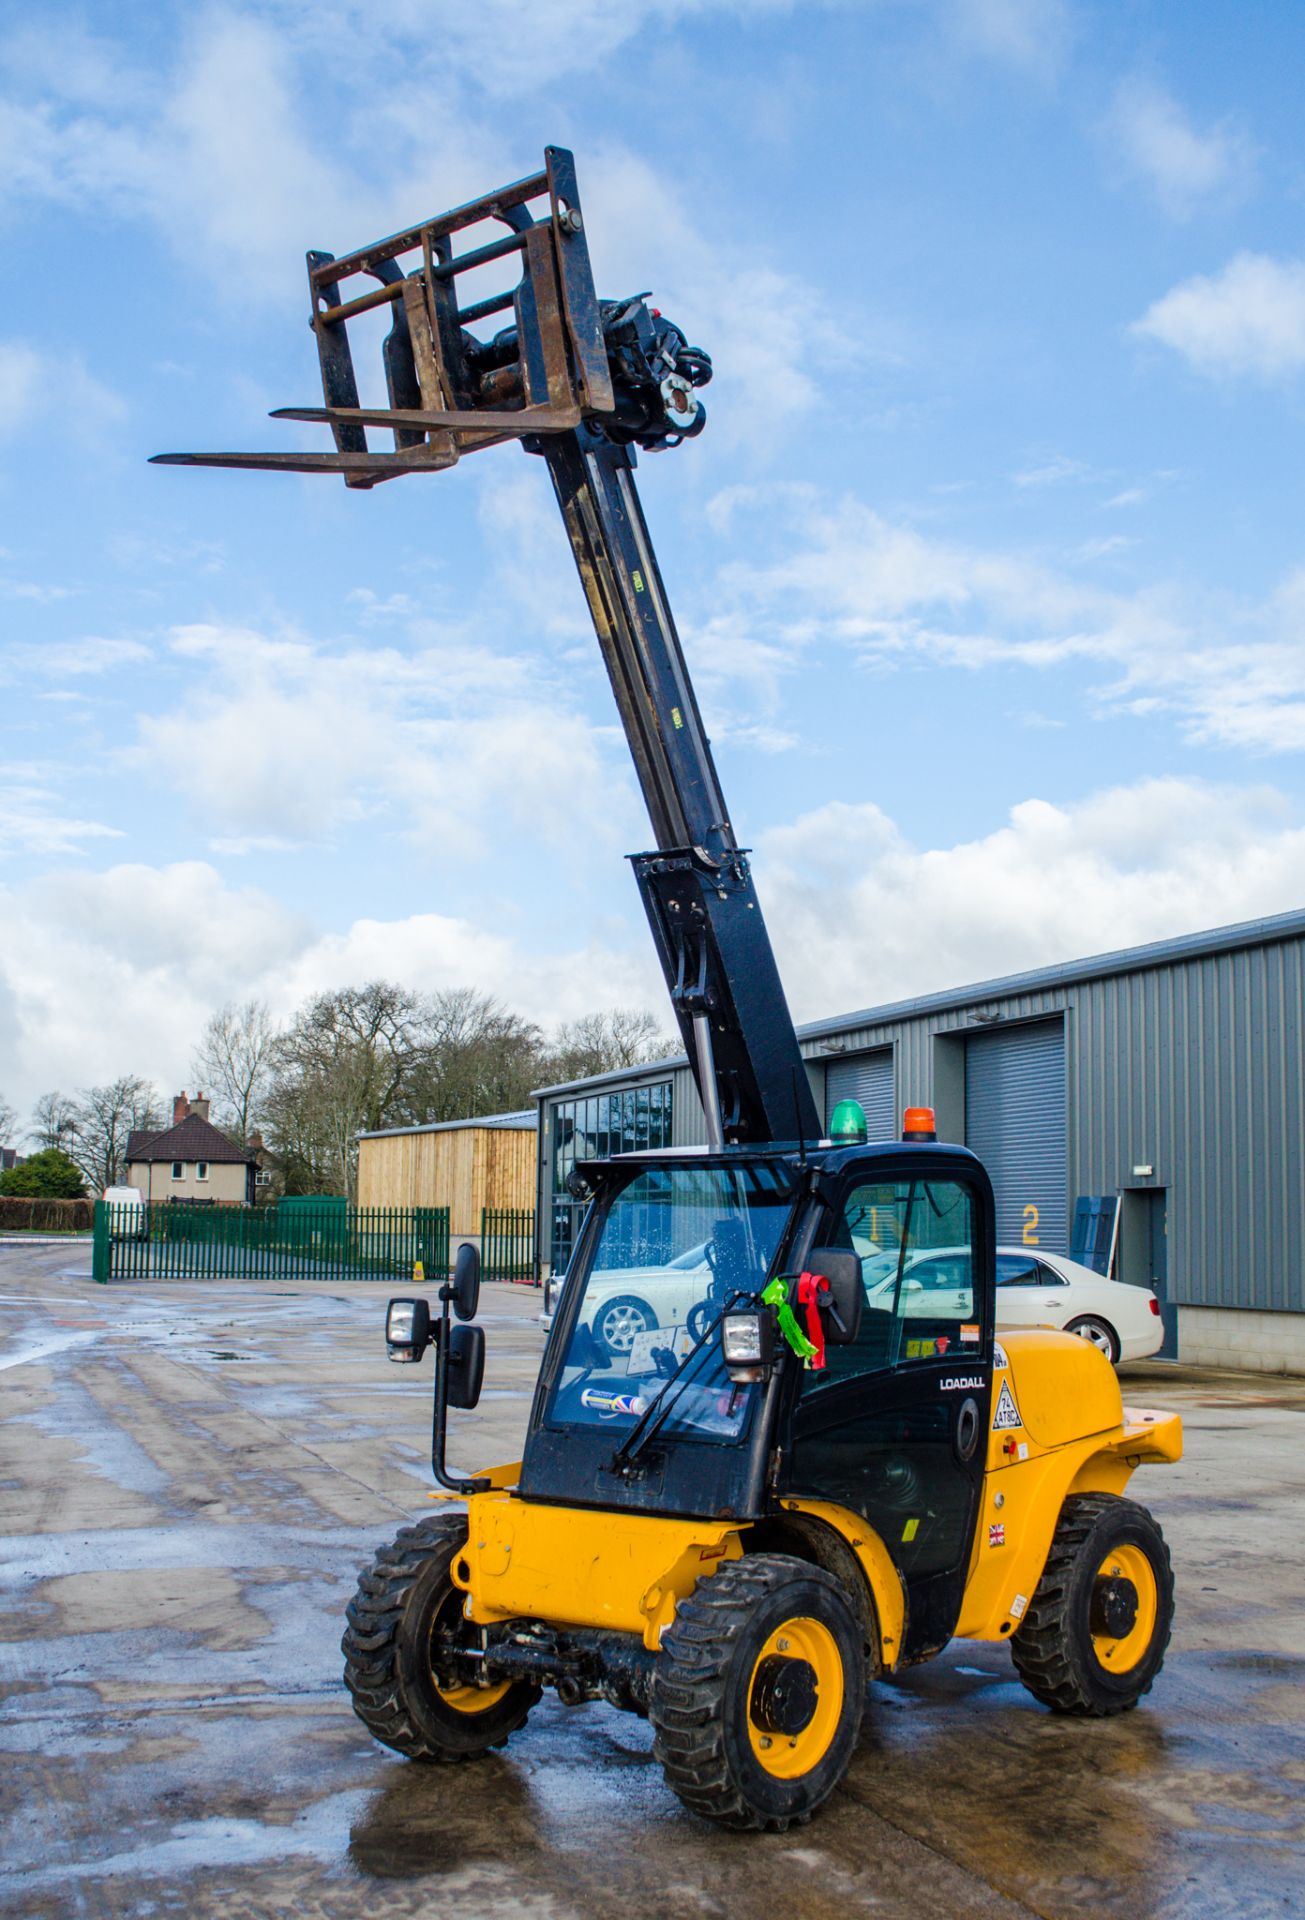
(1030, 1226)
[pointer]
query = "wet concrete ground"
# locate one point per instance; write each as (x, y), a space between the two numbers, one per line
(190, 1476)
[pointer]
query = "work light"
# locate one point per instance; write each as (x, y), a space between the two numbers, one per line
(748, 1343)
(407, 1329)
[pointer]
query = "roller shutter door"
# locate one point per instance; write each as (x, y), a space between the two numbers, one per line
(867, 1077)
(1015, 1122)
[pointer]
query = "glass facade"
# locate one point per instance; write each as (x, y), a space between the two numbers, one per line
(627, 1120)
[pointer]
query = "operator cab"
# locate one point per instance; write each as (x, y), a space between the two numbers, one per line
(640, 1404)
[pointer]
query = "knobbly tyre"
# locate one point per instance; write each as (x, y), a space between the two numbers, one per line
(806, 1471)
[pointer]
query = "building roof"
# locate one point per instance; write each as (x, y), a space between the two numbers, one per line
(191, 1139)
(525, 1121)
(1157, 953)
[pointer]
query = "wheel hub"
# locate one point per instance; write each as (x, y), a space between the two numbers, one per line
(1114, 1606)
(784, 1695)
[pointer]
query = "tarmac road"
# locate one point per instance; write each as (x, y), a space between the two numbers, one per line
(190, 1477)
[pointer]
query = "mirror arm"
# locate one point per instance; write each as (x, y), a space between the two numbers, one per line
(455, 1482)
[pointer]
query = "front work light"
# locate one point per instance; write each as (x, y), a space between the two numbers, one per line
(747, 1342)
(407, 1330)
(847, 1124)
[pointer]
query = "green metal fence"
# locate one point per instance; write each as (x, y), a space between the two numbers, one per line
(507, 1244)
(303, 1242)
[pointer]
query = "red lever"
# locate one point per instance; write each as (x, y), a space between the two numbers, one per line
(810, 1286)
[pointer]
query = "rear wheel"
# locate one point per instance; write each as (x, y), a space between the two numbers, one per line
(1089, 1326)
(757, 1693)
(410, 1688)
(1094, 1636)
(619, 1322)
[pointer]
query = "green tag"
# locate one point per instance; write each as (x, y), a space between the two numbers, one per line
(776, 1295)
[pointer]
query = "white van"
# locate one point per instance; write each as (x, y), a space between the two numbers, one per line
(128, 1219)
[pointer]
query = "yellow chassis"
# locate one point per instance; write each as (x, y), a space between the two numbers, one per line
(583, 1567)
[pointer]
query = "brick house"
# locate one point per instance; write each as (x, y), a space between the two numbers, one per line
(191, 1160)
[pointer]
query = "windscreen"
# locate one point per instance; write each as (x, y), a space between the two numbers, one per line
(675, 1245)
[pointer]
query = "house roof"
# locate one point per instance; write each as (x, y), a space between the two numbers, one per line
(191, 1139)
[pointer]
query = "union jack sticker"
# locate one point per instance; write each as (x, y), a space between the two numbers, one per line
(997, 1534)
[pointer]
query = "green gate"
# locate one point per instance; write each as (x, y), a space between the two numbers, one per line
(327, 1241)
(507, 1244)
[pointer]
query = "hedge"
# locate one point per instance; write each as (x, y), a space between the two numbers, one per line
(45, 1216)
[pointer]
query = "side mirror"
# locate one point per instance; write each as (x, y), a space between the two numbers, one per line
(846, 1294)
(466, 1365)
(466, 1283)
(407, 1330)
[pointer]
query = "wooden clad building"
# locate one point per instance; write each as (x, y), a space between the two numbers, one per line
(464, 1165)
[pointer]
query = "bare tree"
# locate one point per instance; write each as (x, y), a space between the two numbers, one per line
(341, 1069)
(106, 1117)
(234, 1059)
(476, 1058)
(600, 1042)
(54, 1121)
(8, 1122)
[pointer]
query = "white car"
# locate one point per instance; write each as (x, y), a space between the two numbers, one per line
(619, 1298)
(1033, 1290)
(1036, 1289)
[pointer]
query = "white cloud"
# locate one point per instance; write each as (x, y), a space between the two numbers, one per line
(1154, 140)
(115, 972)
(1233, 672)
(112, 972)
(443, 740)
(1031, 34)
(1055, 883)
(76, 659)
(30, 823)
(41, 389)
(1247, 319)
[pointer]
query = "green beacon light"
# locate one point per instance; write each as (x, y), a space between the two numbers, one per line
(847, 1126)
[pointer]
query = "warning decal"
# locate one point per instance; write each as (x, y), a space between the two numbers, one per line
(1006, 1413)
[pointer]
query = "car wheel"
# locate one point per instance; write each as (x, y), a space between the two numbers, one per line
(618, 1322)
(1099, 1332)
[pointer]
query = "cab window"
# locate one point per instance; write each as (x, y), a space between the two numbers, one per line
(915, 1241)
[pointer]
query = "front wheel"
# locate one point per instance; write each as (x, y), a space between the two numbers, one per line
(619, 1321)
(403, 1647)
(757, 1693)
(1094, 1636)
(1099, 1333)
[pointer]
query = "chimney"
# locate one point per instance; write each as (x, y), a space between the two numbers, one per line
(199, 1106)
(180, 1108)
(255, 1142)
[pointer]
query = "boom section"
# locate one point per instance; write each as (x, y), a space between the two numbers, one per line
(583, 382)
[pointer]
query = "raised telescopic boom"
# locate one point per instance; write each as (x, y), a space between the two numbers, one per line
(584, 382)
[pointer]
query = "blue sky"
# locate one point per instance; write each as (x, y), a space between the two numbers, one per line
(989, 563)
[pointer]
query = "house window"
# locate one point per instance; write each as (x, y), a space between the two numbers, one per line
(176, 1170)
(262, 1178)
(201, 1170)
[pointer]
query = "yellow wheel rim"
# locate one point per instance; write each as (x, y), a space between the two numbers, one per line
(788, 1755)
(465, 1699)
(1121, 1654)
(472, 1699)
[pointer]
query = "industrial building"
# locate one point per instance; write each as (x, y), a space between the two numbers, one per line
(1168, 1077)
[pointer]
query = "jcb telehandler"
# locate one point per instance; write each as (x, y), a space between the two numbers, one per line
(820, 1463)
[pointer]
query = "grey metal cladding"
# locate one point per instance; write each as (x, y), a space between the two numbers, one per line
(1187, 1056)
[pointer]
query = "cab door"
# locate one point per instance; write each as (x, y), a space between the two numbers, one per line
(894, 1426)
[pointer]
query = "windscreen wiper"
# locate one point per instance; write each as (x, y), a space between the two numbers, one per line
(660, 1407)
